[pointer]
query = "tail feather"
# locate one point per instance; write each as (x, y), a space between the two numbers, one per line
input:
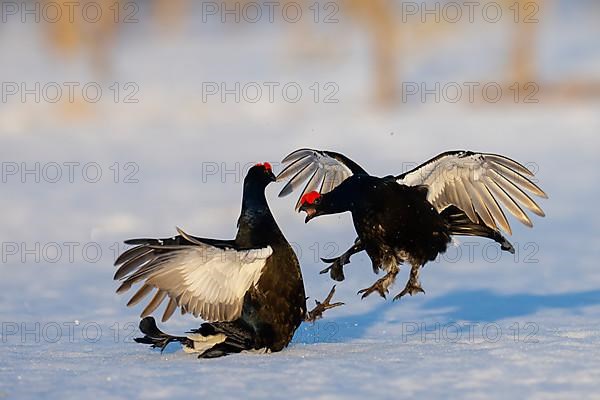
(209, 341)
(460, 224)
(157, 338)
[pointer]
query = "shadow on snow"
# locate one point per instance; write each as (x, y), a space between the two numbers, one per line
(472, 306)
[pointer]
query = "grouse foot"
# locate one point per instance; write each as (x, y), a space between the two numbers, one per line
(317, 312)
(336, 269)
(413, 286)
(380, 286)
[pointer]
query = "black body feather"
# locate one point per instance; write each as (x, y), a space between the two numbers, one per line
(272, 309)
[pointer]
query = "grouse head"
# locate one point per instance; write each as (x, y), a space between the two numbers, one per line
(310, 203)
(261, 174)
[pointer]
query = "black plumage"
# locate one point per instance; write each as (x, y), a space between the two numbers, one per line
(249, 289)
(411, 217)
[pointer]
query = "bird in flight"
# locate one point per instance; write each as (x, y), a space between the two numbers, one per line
(411, 217)
(249, 290)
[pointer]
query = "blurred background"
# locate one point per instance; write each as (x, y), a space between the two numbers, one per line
(123, 119)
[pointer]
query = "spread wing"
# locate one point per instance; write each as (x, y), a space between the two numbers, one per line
(203, 279)
(323, 171)
(478, 183)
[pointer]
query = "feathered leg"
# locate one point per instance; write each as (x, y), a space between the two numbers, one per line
(413, 286)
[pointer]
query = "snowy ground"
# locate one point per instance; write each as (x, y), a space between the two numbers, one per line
(489, 326)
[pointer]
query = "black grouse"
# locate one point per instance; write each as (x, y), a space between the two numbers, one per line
(249, 290)
(412, 216)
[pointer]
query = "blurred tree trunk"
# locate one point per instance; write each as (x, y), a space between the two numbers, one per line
(523, 64)
(63, 35)
(170, 13)
(380, 19)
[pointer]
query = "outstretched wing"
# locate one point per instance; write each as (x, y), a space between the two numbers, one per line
(323, 171)
(203, 279)
(477, 183)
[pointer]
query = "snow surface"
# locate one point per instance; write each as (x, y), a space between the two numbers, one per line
(525, 326)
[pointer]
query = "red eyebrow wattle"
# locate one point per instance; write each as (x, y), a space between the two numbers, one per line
(310, 197)
(267, 166)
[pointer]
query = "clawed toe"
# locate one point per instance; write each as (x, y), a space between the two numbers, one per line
(409, 289)
(377, 287)
(329, 260)
(317, 312)
(380, 286)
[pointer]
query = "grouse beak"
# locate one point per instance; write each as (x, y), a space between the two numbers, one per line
(271, 176)
(310, 211)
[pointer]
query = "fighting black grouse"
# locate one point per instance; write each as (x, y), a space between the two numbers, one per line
(412, 216)
(249, 290)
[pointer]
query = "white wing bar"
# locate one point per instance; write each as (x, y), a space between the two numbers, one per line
(201, 279)
(478, 183)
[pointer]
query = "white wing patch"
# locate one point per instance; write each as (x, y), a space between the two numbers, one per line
(203, 280)
(476, 183)
(321, 171)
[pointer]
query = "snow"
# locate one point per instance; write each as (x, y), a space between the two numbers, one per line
(489, 325)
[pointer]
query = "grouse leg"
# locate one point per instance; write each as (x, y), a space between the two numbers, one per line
(413, 286)
(317, 312)
(381, 285)
(336, 269)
